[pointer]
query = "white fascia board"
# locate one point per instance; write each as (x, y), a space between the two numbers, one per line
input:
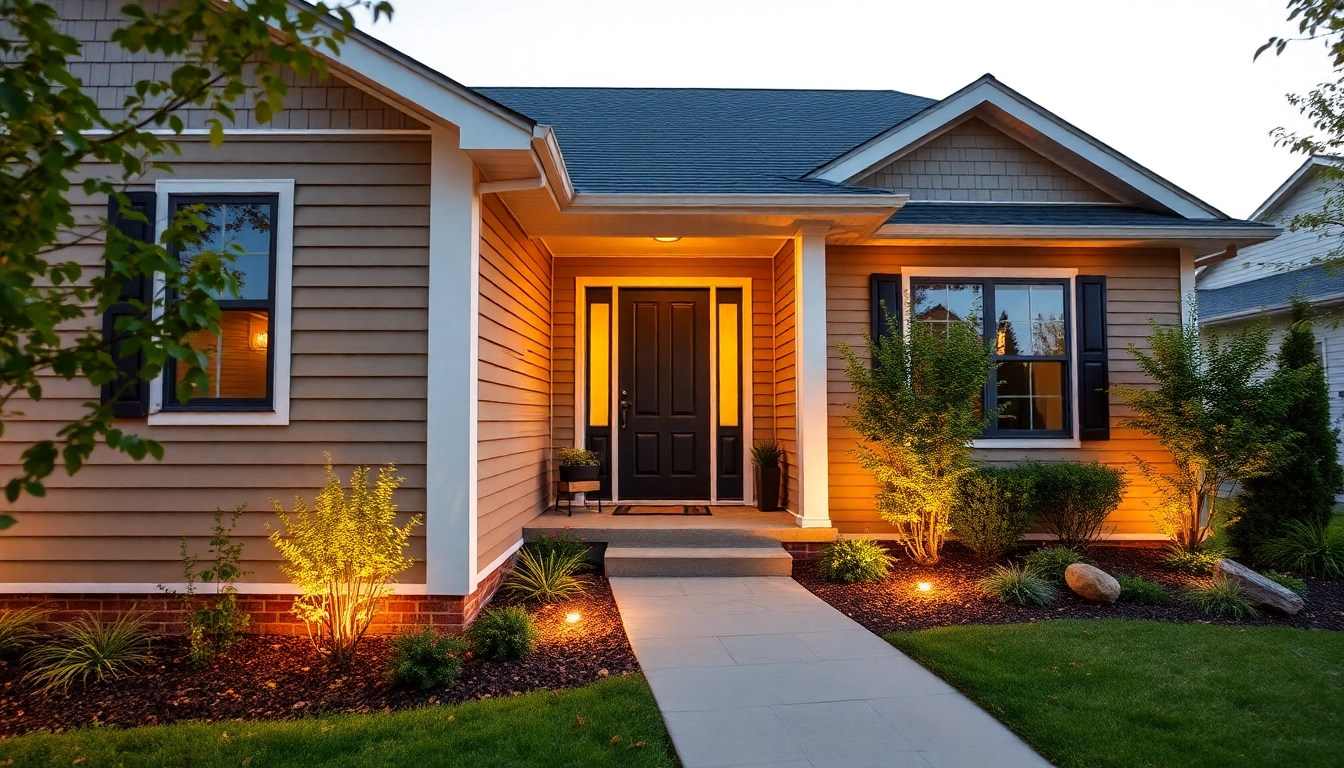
(1223, 235)
(989, 91)
(1290, 186)
(720, 203)
(548, 154)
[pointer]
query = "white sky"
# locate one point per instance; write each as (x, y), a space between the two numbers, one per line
(1170, 83)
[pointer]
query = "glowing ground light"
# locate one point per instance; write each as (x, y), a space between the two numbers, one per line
(925, 586)
(572, 618)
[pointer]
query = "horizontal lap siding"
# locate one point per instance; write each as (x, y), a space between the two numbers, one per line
(358, 382)
(785, 420)
(514, 440)
(1141, 284)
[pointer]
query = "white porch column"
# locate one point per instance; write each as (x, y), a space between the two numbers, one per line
(809, 281)
(450, 446)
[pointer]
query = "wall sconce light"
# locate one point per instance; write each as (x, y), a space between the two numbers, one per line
(258, 337)
(667, 239)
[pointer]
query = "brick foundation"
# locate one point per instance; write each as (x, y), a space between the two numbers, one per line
(804, 550)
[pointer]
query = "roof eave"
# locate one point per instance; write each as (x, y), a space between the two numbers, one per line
(697, 203)
(1210, 237)
(1243, 314)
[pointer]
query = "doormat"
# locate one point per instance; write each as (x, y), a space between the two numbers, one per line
(671, 509)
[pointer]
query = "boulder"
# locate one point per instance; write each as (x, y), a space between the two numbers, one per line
(1257, 587)
(1092, 583)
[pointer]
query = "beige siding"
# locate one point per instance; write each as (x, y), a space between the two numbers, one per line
(515, 381)
(975, 161)
(358, 383)
(785, 420)
(1141, 284)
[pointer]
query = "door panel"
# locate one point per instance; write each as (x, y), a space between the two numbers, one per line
(664, 392)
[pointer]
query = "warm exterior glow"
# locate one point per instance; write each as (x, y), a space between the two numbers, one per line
(728, 381)
(599, 365)
(925, 586)
(573, 617)
(259, 341)
(667, 239)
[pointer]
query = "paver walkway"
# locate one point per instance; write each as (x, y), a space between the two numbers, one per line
(760, 672)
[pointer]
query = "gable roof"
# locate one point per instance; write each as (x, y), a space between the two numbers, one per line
(1275, 292)
(1291, 185)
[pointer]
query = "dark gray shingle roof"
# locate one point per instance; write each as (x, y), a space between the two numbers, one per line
(1058, 214)
(1273, 292)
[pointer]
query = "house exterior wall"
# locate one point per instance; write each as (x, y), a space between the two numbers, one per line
(1288, 251)
(785, 421)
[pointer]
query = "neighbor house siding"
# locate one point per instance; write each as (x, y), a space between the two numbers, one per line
(514, 401)
(1289, 251)
(1141, 284)
(361, 235)
(785, 421)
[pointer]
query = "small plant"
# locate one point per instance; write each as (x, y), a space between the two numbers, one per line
(1220, 597)
(1051, 562)
(213, 628)
(767, 453)
(991, 513)
(577, 457)
(424, 659)
(1296, 586)
(88, 651)
(1308, 549)
(502, 634)
(563, 545)
(1017, 586)
(1140, 591)
(1193, 561)
(19, 632)
(546, 578)
(1072, 499)
(850, 560)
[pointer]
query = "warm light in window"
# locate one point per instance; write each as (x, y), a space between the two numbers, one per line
(667, 239)
(259, 341)
(573, 617)
(728, 379)
(599, 365)
(925, 586)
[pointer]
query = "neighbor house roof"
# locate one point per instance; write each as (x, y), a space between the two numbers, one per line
(1275, 292)
(1051, 214)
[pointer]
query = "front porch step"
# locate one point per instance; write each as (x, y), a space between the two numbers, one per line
(698, 561)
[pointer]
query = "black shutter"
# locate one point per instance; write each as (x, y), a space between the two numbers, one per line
(886, 297)
(1094, 403)
(133, 403)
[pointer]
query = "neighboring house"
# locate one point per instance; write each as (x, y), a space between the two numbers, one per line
(461, 279)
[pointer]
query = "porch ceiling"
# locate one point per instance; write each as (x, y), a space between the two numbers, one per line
(689, 247)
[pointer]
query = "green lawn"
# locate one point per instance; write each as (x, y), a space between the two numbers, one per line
(1138, 693)
(610, 723)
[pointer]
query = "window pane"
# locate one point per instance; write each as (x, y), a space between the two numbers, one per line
(242, 230)
(939, 304)
(599, 365)
(1032, 394)
(1030, 319)
(236, 361)
(728, 361)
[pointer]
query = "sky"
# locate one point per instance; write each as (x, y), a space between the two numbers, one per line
(1170, 83)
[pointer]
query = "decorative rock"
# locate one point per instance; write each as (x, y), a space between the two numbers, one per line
(1092, 583)
(1257, 587)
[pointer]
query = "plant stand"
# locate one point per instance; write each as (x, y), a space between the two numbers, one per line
(568, 489)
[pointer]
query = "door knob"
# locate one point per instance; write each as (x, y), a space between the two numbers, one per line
(625, 406)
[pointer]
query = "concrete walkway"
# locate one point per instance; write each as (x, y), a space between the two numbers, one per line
(757, 671)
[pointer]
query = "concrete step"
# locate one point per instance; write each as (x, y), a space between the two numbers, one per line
(698, 561)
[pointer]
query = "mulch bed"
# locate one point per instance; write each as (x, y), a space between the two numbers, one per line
(272, 677)
(895, 604)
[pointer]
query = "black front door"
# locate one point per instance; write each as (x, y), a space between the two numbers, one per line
(664, 394)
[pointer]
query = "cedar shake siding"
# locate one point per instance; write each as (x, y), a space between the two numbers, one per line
(785, 421)
(514, 401)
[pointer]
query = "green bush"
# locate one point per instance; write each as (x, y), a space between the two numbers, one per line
(88, 651)
(216, 625)
(1193, 561)
(19, 632)
(992, 510)
(563, 545)
(577, 457)
(547, 579)
(1072, 500)
(424, 659)
(767, 453)
(1051, 562)
(502, 634)
(850, 560)
(1308, 549)
(1219, 597)
(1139, 591)
(1297, 586)
(1017, 586)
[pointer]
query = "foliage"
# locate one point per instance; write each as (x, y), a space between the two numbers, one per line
(1296, 586)
(918, 408)
(1198, 560)
(577, 457)
(1017, 586)
(992, 511)
(1308, 549)
(1051, 562)
(1140, 591)
(423, 660)
(851, 560)
(548, 577)
(562, 544)
(503, 634)
(213, 627)
(19, 631)
(88, 651)
(1309, 475)
(1220, 597)
(343, 554)
(59, 149)
(767, 453)
(1212, 409)
(1073, 499)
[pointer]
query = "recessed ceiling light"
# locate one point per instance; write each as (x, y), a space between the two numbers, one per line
(667, 239)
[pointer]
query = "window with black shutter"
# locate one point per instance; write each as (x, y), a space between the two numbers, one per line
(128, 397)
(1094, 403)
(887, 305)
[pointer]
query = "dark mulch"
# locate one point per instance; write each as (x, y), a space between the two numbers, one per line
(275, 677)
(895, 603)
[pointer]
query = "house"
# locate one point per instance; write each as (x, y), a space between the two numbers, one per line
(459, 279)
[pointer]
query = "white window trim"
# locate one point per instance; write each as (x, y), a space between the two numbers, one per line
(284, 299)
(1001, 273)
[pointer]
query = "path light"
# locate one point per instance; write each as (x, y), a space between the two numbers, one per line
(572, 617)
(925, 586)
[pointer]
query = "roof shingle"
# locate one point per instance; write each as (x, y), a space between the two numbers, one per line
(1273, 292)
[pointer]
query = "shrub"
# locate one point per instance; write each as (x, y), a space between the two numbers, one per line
(1139, 591)
(850, 560)
(562, 544)
(577, 457)
(18, 631)
(1017, 586)
(502, 634)
(213, 628)
(342, 555)
(1193, 561)
(767, 453)
(1297, 586)
(991, 512)
(1308, 549)
(1051, 562)
(1219, 597)
(424, 659)
(547, 578)
(88, 651)
(1072, 500)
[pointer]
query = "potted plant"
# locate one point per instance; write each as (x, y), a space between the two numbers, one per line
(577, 464)
(766, 456)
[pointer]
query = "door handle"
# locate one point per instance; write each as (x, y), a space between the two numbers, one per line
(625, 407)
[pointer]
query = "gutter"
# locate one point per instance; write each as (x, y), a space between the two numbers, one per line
(1247, 235)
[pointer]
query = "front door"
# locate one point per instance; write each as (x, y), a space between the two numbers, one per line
(664, 394)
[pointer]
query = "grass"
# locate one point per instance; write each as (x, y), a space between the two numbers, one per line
(1136, 694)
(570, 729)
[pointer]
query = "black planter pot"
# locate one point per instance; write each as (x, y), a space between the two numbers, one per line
(576, 474)
(767, 488)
